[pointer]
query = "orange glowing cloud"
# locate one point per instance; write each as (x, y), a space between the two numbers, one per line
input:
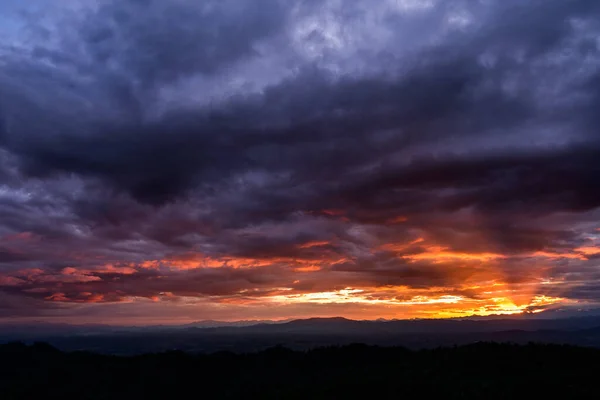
(112, 269)
(588, 251)
(192, 261)
(556, 256)
(441, 281)
(440, 254)
(308, 268)
(58, 297)
(92, 297)
(313, 244)
(11, 281)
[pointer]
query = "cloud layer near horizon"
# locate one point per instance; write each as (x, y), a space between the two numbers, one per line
(215, 159)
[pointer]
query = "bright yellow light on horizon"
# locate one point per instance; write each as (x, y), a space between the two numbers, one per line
(427, 306)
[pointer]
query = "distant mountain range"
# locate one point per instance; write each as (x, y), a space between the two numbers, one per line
(546, 320)
(242, 336)
(34, 329)
(337, 325)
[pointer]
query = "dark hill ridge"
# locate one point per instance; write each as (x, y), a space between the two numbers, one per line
(310, 333)
(340, 325)
(477, 371)
(17, 330)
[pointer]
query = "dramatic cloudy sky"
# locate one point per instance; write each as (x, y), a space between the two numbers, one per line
(169, 161)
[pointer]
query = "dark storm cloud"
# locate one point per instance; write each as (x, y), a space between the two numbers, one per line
(157, 43)
(300, 124)
(210, 132)
(532, 181)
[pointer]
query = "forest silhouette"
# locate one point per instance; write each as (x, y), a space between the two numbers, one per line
(477, 371)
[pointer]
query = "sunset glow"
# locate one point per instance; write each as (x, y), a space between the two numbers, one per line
(173, 161)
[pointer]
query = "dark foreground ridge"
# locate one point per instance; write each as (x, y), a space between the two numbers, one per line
(478, 371)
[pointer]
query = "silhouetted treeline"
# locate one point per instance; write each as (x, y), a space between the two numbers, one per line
(478, 371)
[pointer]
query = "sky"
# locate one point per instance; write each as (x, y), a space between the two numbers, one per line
(173, 161)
